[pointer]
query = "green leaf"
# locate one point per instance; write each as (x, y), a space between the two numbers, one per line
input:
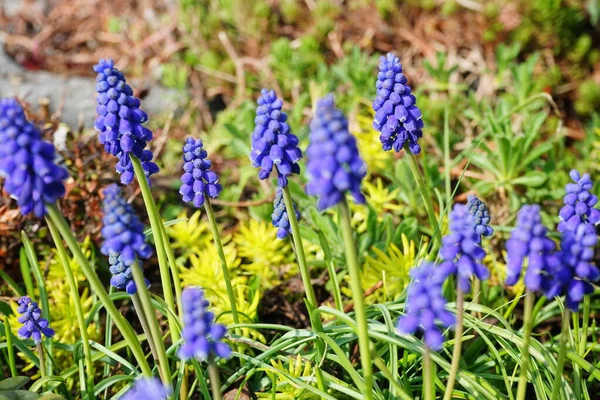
(531, 179)
(18, 395)
(14, 383)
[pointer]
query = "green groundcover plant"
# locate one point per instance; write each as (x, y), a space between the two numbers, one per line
(439, 338)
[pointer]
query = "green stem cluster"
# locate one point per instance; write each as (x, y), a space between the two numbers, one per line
(214, 228)
(358, 297)
(124, 327)
(527, 326)
(456, 352)
(562, 353)
(64, 260)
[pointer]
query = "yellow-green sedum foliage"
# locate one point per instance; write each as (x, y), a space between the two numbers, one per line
(283, 388)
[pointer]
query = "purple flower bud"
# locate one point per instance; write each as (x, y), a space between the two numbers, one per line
(122, 231)
(148, 389)
(579, 204)
(397, 117)
(203, 339)
(479, 210)
(426, 306)
(34, 326)
(280, 216)
(119, 122)
(197, 180)
(27, 162)
(528, 241)
(272, 143)
(461, 251)
(334, 165)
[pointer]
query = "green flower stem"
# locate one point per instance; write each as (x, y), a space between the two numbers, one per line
(581, 349)
(215, 381)
(456, 352)
(214, 228)
(10, 349)
(358, 297)
(155, 224)
(564, 336)
(96, 286)
(428, 383)
(174, 271)
(64, 260)
(42, 358)
(395, 387)
(152, 321)
(528, 322)
(311, 299)
(426, 195)
(139, 310)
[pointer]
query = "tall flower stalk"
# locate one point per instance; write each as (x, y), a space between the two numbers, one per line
(198, 185)
(335, 168)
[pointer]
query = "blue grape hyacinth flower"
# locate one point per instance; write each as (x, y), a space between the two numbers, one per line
(120, 122)
(280, 218)
(202, 338)
(579, 204)
(577, 269)
(397, 116)
(461, 251)
(197, 180)
(34, 326)
(27, 162)
(528, 241)
(479, 210)
(426, 306)
(273, 145)
(122, 276)
(334, 164)
(122, 231)
(147, 389)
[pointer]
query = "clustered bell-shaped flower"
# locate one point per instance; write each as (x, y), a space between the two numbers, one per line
(197, 180)
(279, 216)
(201, 336)
(397, 117)
(147, 389)
(28, 162)
(120, 122)
(34, 326)
(579, 205)
(426, 306)
(273, 145)
(122, 231)
(461, 252)
(577, 269)
(528, 241)
(122, 277)
(334, 164)
(479, 210)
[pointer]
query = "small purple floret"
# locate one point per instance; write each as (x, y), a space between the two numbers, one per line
(197, 180)
(279, 216)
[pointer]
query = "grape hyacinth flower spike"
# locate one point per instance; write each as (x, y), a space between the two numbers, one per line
(124, 239)
(279, 216)
(579, 269)
(34, 326)
(147, 389)
(273, 145)
(334, 164)
(461, 251)
(120, 122)
(426, 306)
(579, 205)
(197, 180)
(28, 162)
(528, 241)
(481, 215)
(202, 337)
(397, 116)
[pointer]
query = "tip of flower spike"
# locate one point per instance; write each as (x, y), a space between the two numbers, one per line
(103, 64)
(326, 102)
